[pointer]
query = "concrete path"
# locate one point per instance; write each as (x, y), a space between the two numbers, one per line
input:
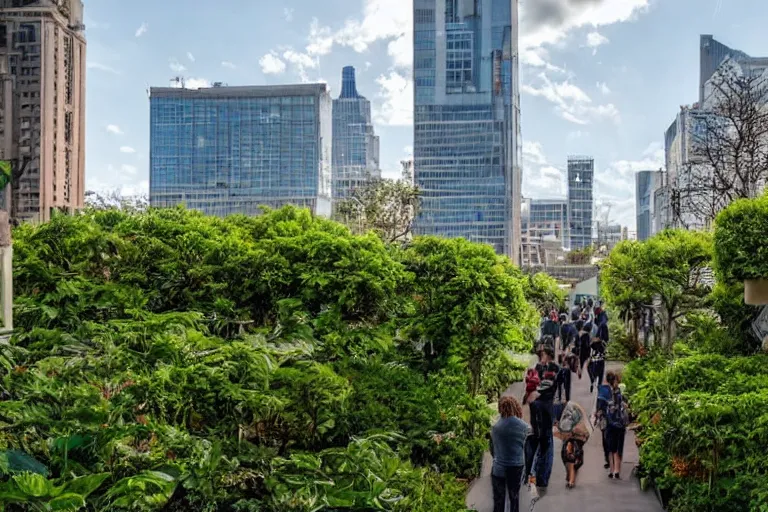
(594, 491)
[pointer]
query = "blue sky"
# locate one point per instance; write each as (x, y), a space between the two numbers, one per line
(599, 77)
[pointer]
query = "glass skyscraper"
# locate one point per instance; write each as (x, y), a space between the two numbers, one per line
(581, 173)
(467, 147)
(227, 150)
(355, 145)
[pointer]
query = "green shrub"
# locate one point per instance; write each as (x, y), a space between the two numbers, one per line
(740, 249)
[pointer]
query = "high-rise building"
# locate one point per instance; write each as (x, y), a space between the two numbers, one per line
(355, 145)
(646, 184)
(581, 173)
(42, 105)
(226, 150)
(467, 147)
(713, 53)
(544, 228)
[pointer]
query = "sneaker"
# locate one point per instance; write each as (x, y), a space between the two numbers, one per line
(617, 476)
(607, 466)
(610, 475)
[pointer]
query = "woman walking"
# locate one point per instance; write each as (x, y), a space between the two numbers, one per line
(617, 419)
(572, 429)
(508, 451)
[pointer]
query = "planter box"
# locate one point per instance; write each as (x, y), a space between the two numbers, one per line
(756, 292)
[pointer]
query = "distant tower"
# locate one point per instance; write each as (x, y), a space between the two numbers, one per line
(42, 106)
(355, 145)
(467, 140)
(581, 172)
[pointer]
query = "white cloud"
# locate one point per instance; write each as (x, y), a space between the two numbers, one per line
(192, 83)
(595, 40)
(301, 62)
(113, 128)
(190, 57)
(383, 20)
(549, 21)
(102, 67)
(396, 94)
(176, 66)
(603, 88)
(320, 39)
(571, 102)
(288, 14)
(271, 64)
(128, 169)
(615, 184)
(142, 29)
(533, 153)
(127, 149)
(228, 64)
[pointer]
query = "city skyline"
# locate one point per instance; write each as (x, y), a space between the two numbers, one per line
(568, 69)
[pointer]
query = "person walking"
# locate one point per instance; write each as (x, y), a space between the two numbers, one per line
(508, 437)
(596, 363)
(572, 429)
(617, 418)
(585, 341)
(539, 444)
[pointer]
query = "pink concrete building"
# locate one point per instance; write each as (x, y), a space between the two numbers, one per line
(42, 105)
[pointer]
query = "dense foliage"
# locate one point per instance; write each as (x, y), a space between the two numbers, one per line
(168, 360)
(705, 425)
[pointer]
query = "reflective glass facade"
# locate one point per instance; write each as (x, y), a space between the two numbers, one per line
(581, 173)
(355, 145)
(227, 150)
(467, 121)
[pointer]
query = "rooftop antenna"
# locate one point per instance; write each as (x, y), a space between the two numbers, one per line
(179, 80)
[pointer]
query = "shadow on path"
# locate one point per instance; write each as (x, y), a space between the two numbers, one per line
(594, 491)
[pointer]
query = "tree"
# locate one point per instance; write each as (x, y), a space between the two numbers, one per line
(620, 285)
(729, 147)
(469, 303)
(388, 207)
(676, 266)
(670, 270)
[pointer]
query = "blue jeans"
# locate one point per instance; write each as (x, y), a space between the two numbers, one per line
(539, 445)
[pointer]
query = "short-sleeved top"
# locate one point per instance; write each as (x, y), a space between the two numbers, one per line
(508, 444)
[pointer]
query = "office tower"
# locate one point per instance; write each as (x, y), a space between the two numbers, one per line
(713, 53)
(647, 182)
(545, 219)
(544, 228)
(42, 105)
(355, 145)
(581, 172)
(467, 149)
(226, 150)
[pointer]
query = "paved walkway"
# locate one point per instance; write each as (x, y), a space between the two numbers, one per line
(594, 491)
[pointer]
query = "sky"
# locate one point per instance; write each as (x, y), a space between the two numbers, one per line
(603, 78)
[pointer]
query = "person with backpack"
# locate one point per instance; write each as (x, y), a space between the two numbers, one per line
(617, 419)
(573, 430)
(604, 395)
(539, 444)
(508, 437)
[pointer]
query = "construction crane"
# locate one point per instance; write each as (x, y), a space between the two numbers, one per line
(179, 81)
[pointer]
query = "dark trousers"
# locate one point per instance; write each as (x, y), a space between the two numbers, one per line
(596, 372)
(507, 485)
(565, 379)
(539, 443)
(605, 445)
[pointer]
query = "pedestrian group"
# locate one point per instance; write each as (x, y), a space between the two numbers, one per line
(522, 452)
